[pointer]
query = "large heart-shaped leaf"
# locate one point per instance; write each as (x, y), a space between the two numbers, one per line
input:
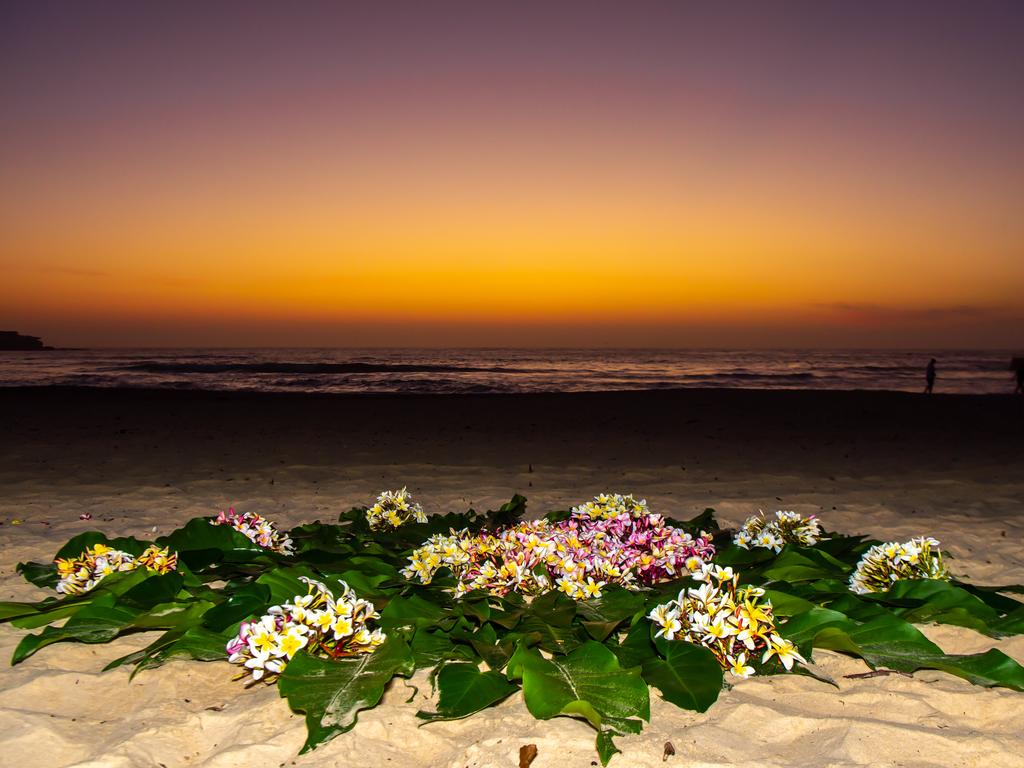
(689, 676)
(588, 683)
(332, 693)
(463, 689)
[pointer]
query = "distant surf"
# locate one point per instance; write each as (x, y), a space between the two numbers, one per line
(506, 370)
(307, 368)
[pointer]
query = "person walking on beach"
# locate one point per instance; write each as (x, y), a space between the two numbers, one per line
(929, 377)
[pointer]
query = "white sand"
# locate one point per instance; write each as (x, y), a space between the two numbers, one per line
(58, 709)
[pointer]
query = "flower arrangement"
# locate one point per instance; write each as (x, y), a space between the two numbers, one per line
(325, 625)
(885, 564)
(731, 621)
(257, 529)
(786, 528)
(330, 659)
(612, 540)
(78, 575)
(393, 509)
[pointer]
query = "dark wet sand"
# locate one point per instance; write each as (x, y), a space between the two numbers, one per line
(95, 431)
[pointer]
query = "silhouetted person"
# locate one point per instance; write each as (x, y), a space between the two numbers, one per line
(929, 377)
(1020, 380)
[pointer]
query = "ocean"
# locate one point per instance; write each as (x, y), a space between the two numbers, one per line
(505, 370)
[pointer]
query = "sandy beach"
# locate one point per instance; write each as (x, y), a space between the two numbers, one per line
(142, 463)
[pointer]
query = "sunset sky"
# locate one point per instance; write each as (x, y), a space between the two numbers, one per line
(638, 174)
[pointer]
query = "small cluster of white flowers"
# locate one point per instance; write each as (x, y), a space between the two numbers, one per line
(82, 573)
(786, 528)
(885, 564)
(325, 625)
(257, 529)
(613, 540)
(731, 621)
(393, 509)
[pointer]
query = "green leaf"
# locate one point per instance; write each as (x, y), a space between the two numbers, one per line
(705, 521)
(506, 612)
(507, 514)
(200, 644)
(153, 589)
(195, 643)
(464, 689)
(49, 606)
(249, 601)
(743, 559)
(83, 541)
(172, 615)
(285, 583)
(847, 549)
(889, 641)
(689, 676)
(332, 693)
(924, 600)
(367, 586)
(637, 646)
(373, 566)
(588, 683)
(494, 651)
(554, 608)
(40, 574)
(1011, 623)
(200, 544)
(106, 617)
(795, 564)
(140, 588)
(98, 622)
(552, 638)
(430, 648)
(606, 747)
(785, 604)
(412, 611)
(479, 609)
(802, 628)
(601, 616)
(320, 541)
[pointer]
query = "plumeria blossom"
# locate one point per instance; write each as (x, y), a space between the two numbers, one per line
(782, 649)
(885, 564)
(786, 528)
(325, 625)
(735, 623)
(738, 665)
(611, 540)
(393, 509)
(82, 573)
(257, 529)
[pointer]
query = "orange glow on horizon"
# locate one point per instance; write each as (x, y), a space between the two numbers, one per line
(408, 189)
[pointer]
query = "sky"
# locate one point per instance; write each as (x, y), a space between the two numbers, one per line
(513, 174)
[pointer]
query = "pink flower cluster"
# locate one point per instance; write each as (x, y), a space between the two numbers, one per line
(619, 542)
(257, 529)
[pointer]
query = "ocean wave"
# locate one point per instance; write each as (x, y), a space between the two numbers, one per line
(748, 375)
(309, 368)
